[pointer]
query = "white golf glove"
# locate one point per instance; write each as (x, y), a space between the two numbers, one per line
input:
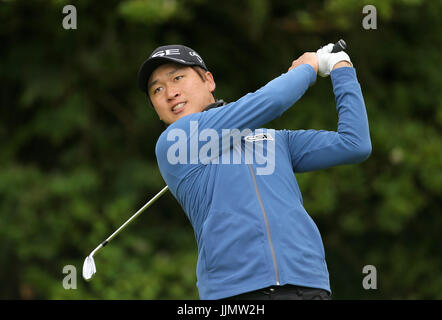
(327, 60)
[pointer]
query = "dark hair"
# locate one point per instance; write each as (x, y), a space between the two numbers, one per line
(200, 71)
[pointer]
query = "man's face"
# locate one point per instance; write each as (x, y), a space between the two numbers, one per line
(177, 90)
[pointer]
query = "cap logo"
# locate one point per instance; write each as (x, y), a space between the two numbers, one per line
(167, 52)
(194, 54)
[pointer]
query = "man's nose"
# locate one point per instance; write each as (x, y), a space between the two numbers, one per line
(172, 92)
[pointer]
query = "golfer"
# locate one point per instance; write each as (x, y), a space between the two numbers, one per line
(255, 239)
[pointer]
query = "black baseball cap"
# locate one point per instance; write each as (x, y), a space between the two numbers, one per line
(171, 53)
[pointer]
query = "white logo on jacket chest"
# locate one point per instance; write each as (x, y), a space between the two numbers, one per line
(258, 137)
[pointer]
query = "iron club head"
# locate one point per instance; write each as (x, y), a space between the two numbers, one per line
(89, 268)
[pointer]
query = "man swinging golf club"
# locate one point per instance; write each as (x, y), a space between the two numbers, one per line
(255, 239)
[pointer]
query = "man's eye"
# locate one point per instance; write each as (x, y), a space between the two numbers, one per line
(157, 90)
(178, 77)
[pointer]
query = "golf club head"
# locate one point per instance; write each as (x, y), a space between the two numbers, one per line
(89, 268)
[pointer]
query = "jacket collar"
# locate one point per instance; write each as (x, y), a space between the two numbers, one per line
(216, 104)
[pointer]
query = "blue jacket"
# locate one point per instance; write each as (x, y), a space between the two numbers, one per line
(251, 228)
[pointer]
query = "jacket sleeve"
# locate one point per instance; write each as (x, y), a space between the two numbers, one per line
(318, 149)
(248, 113)
(257, 108)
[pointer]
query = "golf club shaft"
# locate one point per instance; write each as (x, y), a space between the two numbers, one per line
(147, 205)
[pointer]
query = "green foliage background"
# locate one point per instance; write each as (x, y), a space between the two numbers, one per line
(77, 141)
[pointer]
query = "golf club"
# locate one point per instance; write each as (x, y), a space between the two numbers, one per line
(339, 46)
(89, 268)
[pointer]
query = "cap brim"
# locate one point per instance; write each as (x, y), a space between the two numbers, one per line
(151, 64)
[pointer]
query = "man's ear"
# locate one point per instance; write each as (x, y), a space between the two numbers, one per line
(210, 81)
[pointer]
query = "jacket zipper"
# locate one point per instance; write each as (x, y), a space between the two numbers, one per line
(269, 236)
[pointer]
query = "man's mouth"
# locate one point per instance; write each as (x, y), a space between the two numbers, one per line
(178, 107)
